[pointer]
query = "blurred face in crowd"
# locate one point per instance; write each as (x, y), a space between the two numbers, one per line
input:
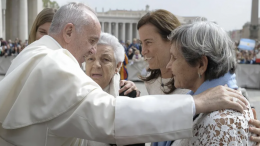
(137, 52)
(154, 49)
(101, 66)
(134, 41)
(130, 51)
(43, 30)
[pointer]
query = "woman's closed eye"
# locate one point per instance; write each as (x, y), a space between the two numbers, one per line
(147, 43)
(106, 59)
(43, 32)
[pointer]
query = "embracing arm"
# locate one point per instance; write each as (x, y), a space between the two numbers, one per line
(123, 120)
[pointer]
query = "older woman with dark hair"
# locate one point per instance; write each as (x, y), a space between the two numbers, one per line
(202, 57)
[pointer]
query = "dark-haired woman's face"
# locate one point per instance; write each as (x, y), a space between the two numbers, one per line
(155, 50)
(43, 30)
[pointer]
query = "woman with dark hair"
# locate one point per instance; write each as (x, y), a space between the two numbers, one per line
(154, 27)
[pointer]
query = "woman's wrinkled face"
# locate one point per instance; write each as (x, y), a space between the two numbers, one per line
(101, 66)
(155, 50)
(185, 76)
(43, 30)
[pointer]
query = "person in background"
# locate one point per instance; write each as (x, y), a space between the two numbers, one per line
(127, 44)
(123, 70)
(41, 24)
(4, 47)
(137, 57)
(140, 46)
(130, 54)
(134, 44)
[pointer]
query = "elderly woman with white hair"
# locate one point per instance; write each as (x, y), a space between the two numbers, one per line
(103, 67)
(202, 57)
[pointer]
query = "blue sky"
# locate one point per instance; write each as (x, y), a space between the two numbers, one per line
(230, 14)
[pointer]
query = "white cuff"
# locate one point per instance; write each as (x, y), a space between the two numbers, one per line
(193, 107)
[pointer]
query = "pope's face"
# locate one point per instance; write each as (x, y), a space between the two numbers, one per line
(87, 40)
(101, 66)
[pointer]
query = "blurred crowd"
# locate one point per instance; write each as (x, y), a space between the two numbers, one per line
(133, 50)
(11, 48)
(248, 56)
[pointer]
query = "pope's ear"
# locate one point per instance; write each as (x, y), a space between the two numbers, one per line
(68, 32)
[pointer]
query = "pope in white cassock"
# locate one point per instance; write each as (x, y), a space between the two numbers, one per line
(47, 100)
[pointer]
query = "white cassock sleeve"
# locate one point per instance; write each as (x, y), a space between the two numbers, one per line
(127, 120)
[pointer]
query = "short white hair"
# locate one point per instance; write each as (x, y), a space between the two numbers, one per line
(75, 13)
(108, 39)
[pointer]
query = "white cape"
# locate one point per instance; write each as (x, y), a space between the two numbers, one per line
(23, 104)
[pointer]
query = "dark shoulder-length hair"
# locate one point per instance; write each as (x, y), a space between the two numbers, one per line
(165, 22)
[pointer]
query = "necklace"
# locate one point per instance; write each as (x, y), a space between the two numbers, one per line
(162, 84)
(163, 87)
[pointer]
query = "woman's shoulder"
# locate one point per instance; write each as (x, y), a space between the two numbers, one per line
(219, 125)
(226, 118)
(229, 114)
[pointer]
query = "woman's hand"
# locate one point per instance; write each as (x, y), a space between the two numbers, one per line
(256, 129)
(129, 86)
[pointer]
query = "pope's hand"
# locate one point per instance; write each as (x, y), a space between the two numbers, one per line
(218, 98)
